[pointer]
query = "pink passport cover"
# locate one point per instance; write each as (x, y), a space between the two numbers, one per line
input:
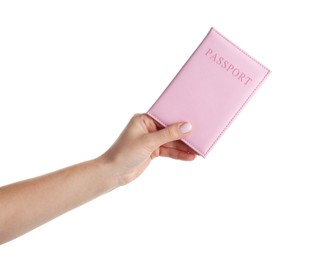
(209, 90)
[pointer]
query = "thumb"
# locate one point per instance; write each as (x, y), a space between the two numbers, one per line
(169, 134)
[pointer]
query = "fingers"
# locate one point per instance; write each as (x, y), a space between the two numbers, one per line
(165, 142)
(169, 134)
(179, 145)
(176, 154)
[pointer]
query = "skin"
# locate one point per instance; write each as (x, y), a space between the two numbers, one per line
(30, 203)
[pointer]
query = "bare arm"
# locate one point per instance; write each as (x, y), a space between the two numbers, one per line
(31, 203)
(28, 204)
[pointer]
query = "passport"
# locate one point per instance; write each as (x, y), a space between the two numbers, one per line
(209, 91)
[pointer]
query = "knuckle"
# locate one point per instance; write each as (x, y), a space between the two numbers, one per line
(171, 133)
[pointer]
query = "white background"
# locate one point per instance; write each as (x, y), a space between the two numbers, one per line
(72, 73)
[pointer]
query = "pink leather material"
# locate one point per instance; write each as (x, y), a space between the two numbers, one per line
(209, 90)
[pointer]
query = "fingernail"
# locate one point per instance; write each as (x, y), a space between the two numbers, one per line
(185, 128)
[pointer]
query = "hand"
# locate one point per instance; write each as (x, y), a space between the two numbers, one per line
(143, 140)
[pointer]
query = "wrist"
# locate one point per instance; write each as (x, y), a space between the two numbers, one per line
(120, 173)
(109, 172)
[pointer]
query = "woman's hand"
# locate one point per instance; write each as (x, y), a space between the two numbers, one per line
(141, 141)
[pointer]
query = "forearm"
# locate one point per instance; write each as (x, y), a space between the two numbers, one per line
(28, 204)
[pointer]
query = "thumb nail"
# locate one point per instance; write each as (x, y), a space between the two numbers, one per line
(185, 128)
